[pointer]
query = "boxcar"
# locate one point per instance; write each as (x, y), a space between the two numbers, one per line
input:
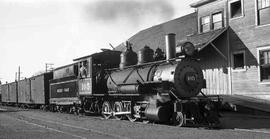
(24, 94)
(40, 88)
(9, 93)
(13, 95)
(4, 93)
(0, 92)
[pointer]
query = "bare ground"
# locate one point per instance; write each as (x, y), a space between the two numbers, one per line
(20, 123)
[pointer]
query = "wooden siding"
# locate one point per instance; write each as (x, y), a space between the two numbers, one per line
(37, 89)
(215, 68)
(4, 93)
(24, 95)
(246, 35)
(12, 94)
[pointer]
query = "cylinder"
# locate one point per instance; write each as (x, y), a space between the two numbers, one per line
(170, 46)
(158, 114)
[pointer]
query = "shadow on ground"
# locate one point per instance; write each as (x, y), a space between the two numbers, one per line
(244, 121)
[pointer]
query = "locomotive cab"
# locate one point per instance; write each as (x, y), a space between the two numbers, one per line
(92, 71)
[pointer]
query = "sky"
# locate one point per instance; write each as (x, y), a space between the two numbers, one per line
(35, 32)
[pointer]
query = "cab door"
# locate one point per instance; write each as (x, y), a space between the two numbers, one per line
(85, 81)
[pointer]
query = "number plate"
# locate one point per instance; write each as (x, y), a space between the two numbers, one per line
(85, 86)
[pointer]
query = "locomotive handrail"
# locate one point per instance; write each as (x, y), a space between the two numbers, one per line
(149, 63)
(143, 83)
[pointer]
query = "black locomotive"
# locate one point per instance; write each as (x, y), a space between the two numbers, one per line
(143, 87)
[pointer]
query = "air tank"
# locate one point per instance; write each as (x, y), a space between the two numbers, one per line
(145, 55)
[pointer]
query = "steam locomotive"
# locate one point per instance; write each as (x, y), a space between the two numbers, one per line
(125, 85)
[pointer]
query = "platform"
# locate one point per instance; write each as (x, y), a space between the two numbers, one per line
(248, 102)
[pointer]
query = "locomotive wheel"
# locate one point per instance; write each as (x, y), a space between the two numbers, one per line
(118, 108)
(106, 110)
(178, 119)
(132, 117)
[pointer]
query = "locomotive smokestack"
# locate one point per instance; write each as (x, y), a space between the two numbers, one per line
(170, 46)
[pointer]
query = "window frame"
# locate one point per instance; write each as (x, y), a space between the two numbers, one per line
(201, 25)
(212, 20)
(211, 27)
(257, 15)
(259, 66)
(242, 9)
(232, 58)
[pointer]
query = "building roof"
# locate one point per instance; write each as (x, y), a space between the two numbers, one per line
(154, 37)
(200, 3)
(202, 40)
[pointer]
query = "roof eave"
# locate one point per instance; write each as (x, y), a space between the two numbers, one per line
(213, 38)
(200, 3)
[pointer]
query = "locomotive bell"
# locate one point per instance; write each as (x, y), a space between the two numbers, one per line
(170, 46)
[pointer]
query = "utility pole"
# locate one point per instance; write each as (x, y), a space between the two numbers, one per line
(19, 73)
(47, 65)
(16, 76)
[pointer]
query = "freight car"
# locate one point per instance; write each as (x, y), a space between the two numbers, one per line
(9, 93)
(30, 92)
(0, 93)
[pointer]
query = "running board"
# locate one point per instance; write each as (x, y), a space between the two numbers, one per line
(116, 113)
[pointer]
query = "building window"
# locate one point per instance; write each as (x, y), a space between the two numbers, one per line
(236, 8)
(238, 60)
(264, 63)
(217, 20)
(205, 24)
(263, 12)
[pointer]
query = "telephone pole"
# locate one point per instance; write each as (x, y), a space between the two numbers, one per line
(47, 66)
(19, 73)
